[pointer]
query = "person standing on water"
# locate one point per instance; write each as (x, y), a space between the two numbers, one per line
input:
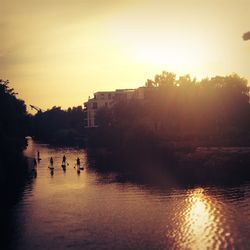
(78, 163)
(64, 161)
(51, 162)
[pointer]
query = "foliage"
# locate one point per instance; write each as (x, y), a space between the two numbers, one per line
(210, 111)
(59, 126)
(13, 129)
(13, 120)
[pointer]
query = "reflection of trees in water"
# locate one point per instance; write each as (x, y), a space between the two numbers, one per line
(18, 180)
(232, 192)
(156, 171)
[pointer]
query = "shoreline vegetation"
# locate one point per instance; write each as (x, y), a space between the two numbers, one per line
(59, 127)
(203, 165)
(13, 165)
(176, 118)
(13, 130)
(15, 172)
(167, 128)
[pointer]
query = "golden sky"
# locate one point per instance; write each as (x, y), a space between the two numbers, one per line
(59, 52)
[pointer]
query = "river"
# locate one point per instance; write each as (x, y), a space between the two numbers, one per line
(93, 210)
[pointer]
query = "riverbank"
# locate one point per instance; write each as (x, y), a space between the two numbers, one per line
(202, 165)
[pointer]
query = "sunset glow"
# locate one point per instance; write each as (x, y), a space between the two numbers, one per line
(60, 52)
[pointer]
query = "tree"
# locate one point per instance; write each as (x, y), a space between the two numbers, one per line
(13, 122)
(165, 79)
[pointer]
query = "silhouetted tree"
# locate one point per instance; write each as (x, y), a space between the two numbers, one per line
(213, 110)
(13, 120)
(13, 129)
(59, 126)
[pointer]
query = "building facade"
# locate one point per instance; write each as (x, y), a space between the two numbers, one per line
(107, 99)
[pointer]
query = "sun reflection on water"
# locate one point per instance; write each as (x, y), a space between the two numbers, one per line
(200, 223)
(200, 219)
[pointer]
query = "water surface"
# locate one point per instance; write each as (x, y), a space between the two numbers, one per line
(90, 210)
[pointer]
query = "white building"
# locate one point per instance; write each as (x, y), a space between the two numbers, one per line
(107, 99)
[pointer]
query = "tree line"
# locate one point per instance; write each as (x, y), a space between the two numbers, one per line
(13, 129)
(212, 111)
(13, 121)
(175, 114)
(209, 111)
(57, 126)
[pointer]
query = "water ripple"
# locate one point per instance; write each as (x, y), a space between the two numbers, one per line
(95, 211)
(201, 222)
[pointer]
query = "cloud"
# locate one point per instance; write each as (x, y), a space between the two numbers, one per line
(246, 36)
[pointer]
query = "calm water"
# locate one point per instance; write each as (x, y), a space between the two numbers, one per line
(66, 210)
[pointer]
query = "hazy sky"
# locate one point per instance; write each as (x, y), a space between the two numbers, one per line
(58, 52)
